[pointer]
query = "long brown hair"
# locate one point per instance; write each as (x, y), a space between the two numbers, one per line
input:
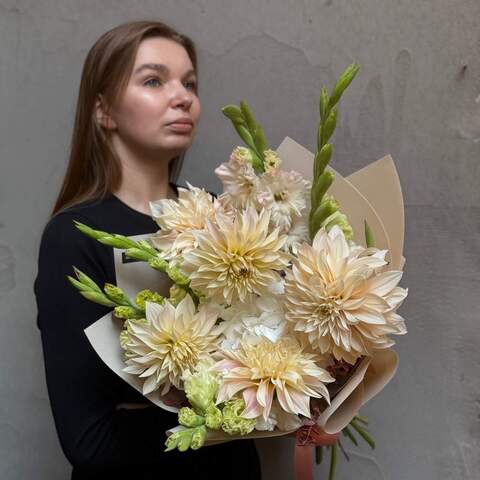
(94, 169)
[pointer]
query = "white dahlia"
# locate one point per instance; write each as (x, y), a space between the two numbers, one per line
(339, 295)
(170, 343)
(265, 370)
(236, 258)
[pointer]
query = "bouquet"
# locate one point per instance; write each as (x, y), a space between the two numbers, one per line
(271, 306)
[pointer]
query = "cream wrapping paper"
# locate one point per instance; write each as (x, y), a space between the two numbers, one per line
(373, 194)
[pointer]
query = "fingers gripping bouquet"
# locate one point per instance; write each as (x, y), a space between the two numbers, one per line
(280, 312)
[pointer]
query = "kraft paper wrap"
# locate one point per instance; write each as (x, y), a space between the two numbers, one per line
(373, 194)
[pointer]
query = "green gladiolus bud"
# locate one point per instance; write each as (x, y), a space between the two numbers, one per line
(148, 296)
(78, 285)
(248, 116)
(260, 140)
(330, 124)
(213, 417)
(158, 264)
(86, 280)
(198, 437)
(116, 294)
(177, 276)
(98, 298)
(323, 105)
(148, 247)
(117, 241)
(233, 113)
(244, 134)
(95, 234)
(343, 82)
(128, 312)
(138, 254)
(188, 418)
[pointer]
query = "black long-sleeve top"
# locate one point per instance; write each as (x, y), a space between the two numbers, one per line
(99, 440)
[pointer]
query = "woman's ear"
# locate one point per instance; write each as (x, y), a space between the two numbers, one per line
(102, 116)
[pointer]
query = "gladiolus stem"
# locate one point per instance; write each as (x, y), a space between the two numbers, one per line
(333, 462)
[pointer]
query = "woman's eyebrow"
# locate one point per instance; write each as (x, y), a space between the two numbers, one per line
(160, 68)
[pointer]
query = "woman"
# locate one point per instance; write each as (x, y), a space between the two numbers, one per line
(137, 113)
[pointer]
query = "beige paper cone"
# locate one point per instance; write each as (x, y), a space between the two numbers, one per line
(357, 208)
(374, 373)
(380, 185)
(364, 384)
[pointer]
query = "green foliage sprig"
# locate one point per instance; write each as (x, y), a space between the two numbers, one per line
(358, 424)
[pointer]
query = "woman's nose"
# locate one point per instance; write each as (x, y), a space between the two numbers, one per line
(182, 97)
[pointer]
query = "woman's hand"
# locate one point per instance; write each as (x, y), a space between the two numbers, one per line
(315, 436)
(175, 398)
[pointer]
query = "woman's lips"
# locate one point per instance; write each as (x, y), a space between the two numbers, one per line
(180, 127)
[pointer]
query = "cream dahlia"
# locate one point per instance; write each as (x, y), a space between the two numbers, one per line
(177, 219)
(171, 342)
(265, 370)
(236, 258)
(338, 294)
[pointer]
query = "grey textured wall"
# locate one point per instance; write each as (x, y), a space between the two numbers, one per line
(417, 97)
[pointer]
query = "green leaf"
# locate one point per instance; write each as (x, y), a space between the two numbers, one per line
(343, 82)
(348, 433)
(361, 419)
(365, 435)
(369, 240)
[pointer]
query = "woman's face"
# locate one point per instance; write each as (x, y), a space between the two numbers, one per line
(160, 91)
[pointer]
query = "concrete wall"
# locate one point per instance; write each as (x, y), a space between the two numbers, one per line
(417, 97)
